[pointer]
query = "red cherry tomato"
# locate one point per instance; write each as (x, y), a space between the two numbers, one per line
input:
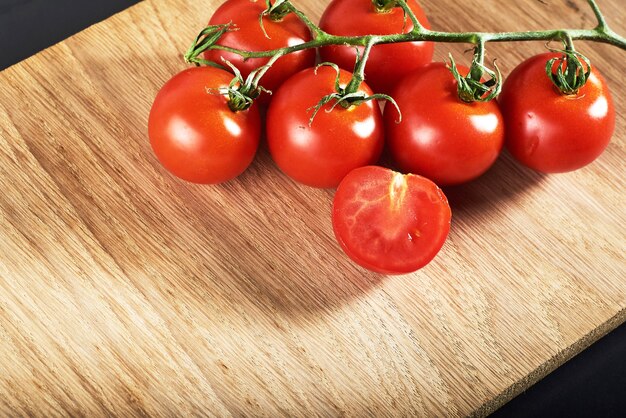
(194, 133)
(440, 136)
(549, 131)
(249, 36)
(337, 140)
(388, 222)
(387, 64)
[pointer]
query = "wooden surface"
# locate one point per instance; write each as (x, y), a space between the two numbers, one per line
(124, 291)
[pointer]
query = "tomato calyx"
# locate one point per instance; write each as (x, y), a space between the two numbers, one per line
(569, 72)
(472, 88)
(349, 95)
(204, 41)
(239, 98)
(384, 6)
(242, 93)
(276, 11)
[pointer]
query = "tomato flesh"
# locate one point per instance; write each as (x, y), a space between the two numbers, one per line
(388, 222)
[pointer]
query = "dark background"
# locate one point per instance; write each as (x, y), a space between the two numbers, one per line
(28, 26)
(593, 384)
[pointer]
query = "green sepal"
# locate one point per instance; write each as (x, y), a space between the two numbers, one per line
(204, 41)
(471, 88)
(572, 71)
(275, 11)
(345, 99)
(384, 6)
(242, 93)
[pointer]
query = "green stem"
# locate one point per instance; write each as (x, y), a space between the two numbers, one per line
(209, 36)
(569, 43)
(602, 26)
(358, 75)
(315, 30)
(602, 33)
(476, 71)
(417, 26)
(256, 75)
(324, 39)
(572, 66)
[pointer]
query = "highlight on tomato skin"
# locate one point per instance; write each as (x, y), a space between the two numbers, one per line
(388, 222)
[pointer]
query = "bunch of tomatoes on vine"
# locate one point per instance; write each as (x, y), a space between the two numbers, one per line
(322, 85)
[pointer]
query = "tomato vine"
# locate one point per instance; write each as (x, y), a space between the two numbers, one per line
(385, 221)
(602, 32)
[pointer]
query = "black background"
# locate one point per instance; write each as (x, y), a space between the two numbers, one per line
(592, 384)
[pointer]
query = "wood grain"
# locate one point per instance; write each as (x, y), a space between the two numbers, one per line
(126, 292)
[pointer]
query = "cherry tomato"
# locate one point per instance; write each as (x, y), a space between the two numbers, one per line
(249, 36)
(549, 131)
(440, 136)
(387, 64)
(388, 222)
(337, 141)
(194, 133)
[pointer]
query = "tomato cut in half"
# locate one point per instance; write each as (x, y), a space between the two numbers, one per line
(389, 222)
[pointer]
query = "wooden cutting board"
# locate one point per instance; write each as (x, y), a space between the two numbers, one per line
(125, 291)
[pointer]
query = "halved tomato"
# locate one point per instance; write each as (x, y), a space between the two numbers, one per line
(389, 222)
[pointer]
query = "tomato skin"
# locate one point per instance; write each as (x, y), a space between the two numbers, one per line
(193, 132)
(387, 64)
(337, 141)
(551, 132)
(388, 222)
(440, 136)
(250, 37)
